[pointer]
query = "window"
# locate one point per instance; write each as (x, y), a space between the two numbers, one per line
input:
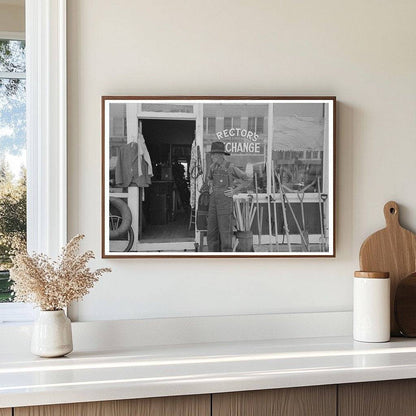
(12, 155)
(260, 125)
(232, 122)
(248, 153)
(211, 125)
(256, 124)
(236, 122)
(119, 127)
(251, 124)
(46, 110)
(227, 123)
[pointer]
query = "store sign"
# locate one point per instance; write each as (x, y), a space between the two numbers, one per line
(241, 141)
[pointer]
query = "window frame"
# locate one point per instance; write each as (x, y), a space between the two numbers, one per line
(255, 127)
(46, 137)
(233, 122)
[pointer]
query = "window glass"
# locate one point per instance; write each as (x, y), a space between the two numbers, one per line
(227, 122)
(251, 124)
(260, 125)
(211, 125)
(12, 56)
(248, 150)
(236, 122)
(299, 135)
(12, 156)
(118, 126)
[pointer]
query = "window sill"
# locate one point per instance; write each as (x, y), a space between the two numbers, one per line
(16, 313)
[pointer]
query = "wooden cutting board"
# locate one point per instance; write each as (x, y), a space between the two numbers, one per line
(393, 250)
(405, 306)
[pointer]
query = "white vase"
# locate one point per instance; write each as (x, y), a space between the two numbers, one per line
(52, 334)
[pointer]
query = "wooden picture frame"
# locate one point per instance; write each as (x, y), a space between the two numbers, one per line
(218, 176)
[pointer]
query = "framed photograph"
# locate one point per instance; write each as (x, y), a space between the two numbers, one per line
(218, 176)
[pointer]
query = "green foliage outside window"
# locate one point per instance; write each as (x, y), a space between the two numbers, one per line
(12, 147)
(12, 223)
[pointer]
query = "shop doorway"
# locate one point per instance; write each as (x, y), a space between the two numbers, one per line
(165, 208)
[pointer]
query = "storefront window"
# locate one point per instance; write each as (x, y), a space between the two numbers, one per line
(298, 177)
(247, 147)
(298, 136)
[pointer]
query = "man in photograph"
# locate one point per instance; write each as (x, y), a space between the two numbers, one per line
(225, 180)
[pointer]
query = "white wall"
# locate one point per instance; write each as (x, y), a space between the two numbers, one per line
(361, 51)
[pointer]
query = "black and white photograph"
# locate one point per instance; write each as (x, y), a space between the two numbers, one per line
(218, 176)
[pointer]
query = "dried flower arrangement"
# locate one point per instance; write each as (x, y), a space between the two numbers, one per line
(53, 285)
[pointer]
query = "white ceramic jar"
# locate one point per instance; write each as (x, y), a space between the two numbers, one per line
(371, 313)
(52, 334)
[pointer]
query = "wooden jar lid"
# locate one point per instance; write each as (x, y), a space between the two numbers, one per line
(372, 275)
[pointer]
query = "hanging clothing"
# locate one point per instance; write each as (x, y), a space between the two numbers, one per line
(145, 169)
(127, 167)
(195, 173)
(144, 179)
(127, 172)
(192, 170)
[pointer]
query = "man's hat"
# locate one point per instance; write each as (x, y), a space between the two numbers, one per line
(219, 147)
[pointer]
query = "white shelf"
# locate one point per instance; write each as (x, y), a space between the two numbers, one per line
(150, 371)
